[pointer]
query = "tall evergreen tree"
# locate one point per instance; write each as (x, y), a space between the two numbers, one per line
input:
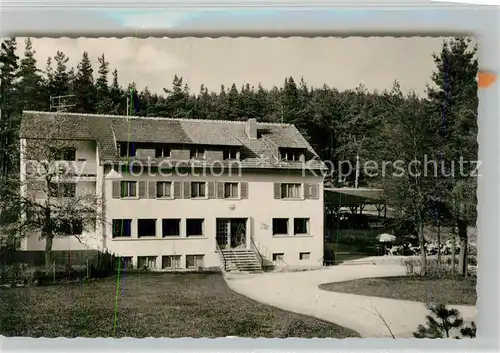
(30, 84)
(85, 95)
(104, 100)
(454, 104)
(9, 105)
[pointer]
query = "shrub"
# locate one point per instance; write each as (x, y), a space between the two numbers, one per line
(433, 269)
(17, 274)
(441, 322)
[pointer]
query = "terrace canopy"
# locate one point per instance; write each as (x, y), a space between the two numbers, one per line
(355, 199)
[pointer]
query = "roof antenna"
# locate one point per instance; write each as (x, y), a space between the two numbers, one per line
(60, 103)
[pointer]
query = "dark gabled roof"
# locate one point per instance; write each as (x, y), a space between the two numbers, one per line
(106, 130)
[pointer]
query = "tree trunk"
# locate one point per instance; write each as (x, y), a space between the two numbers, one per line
(462, 260)
(453, 251)
(439, 242)
(423, 259)
(357, 172)
(48, 251)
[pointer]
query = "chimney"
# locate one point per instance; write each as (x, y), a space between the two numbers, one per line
(251, 128)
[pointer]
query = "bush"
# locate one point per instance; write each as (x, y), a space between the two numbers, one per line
(17, 274)
(441, 322)
(433, 269)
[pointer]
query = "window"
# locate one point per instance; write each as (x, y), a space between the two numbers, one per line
(291, 191)
(280, 226)
(171, 227)
(198, 152)
(290, 154)
(62, 153)
(194, 227)
(301, 226)
(230, 190)
(162, 151)
(163, 189)
(62, 189)
(198, 189)
(194, 261)
(122, 228)
(304, 256)
(146, 228)
(278, 256)
(71, 227)
(146, 262)
(128, 188)
(126, 262)
(230, 153)
(127, 149)
(171, 261)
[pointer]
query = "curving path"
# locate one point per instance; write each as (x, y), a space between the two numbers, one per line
(298, 292)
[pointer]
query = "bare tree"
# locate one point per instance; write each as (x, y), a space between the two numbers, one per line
(48, 197)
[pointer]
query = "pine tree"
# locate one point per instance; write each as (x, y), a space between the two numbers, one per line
(454, 104)
(9, 105)
(85, 95)
(30, 84)
(440, 322)
(61, 76)
(118, 96)
(104, 100)
(233, 103)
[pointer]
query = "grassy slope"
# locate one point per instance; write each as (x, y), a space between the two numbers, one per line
(163, 305)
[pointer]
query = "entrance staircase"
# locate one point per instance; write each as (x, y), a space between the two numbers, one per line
(240, 260)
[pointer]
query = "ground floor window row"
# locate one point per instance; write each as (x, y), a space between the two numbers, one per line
(122, 228)
(280, 257)
(195, 227)
(165, 262)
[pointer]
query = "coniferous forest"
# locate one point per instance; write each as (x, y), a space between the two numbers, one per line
(340, 125)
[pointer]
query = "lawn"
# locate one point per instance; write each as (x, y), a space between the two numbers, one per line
(151, 305)
(444, 291)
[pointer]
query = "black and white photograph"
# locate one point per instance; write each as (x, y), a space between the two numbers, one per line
(318, 187)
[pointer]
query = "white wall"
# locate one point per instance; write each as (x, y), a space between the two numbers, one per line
(260, 205)
(85, 150)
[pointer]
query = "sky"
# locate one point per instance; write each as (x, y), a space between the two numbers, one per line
(343, 63)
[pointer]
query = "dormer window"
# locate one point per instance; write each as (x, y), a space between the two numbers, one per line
(127, 149)
(231, 153)
(162, 151)
(197, 153)
(291, 154)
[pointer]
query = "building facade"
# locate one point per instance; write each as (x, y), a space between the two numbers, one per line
(182, 193)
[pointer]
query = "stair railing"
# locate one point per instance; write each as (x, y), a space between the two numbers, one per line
(256, 249)
(266, 253)
(224, 261)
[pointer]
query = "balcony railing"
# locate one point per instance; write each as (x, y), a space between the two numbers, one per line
(68, 169)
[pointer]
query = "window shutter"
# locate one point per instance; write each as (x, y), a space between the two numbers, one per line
(177, 190)
(277, 190)
(244, 190)
(307, 190)
(314, 191)
(116, 189)
(187, 190)
(142, 189)
(152, 189)
(211, 190)
(220, 190)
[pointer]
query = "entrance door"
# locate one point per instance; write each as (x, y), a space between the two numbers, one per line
(232, 233)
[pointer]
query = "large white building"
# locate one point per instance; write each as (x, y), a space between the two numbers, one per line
(183, 193)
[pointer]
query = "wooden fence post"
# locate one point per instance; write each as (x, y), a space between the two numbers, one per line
(54, 270)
